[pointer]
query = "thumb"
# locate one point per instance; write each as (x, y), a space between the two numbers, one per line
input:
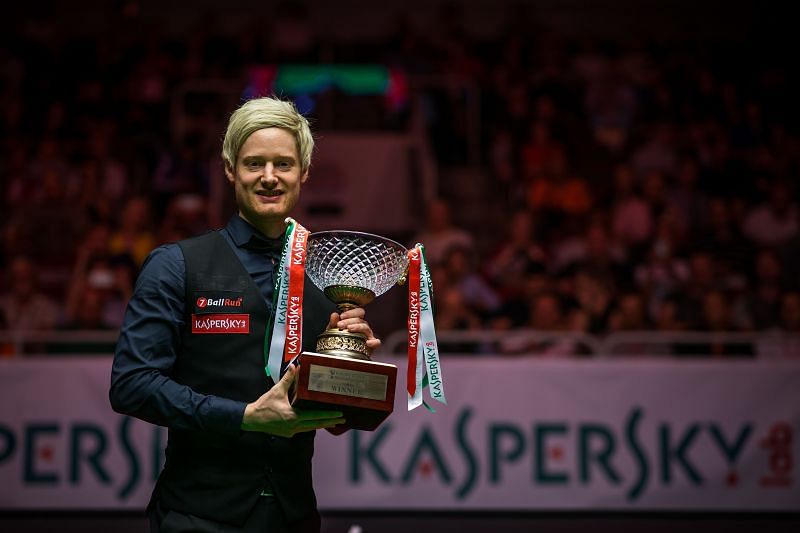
(286, 381)
(334, 319)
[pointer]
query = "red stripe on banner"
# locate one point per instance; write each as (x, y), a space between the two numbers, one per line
(413, 319)
(294, 313)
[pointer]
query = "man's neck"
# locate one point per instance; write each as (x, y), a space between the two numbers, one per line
(268, 228)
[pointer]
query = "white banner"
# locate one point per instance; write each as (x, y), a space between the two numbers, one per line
(61, 445)
(519, 435)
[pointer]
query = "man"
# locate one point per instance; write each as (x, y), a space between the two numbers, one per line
(191, 351)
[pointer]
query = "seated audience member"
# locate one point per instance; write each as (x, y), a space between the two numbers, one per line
(764, 299)
(558, 191)
(23, 307)
(109, 283)
(629, 314)
(784, 341)
(719, 235)
(631, 216)
(453, 314)
(546, 316)
(133, 237)
(506, 269)
(776, 221)
(670, 315)
(790, 312)
(664, 271)
(439, 234)
(594, 293)
(515, 311)
(459, 268)
(717, 316)
(187, 215)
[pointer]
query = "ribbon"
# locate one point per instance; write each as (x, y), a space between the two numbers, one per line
(286, 333)
(414, 369)
(424, 367)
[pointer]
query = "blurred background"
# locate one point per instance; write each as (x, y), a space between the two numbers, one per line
(610, 182)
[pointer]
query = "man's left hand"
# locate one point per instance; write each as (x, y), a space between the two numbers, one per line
(353, 321)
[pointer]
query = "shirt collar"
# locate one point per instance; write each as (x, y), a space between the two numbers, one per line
(244, 235)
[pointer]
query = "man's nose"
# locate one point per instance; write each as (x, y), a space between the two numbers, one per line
(269, 174)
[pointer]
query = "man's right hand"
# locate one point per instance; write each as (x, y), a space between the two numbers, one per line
(272, 413)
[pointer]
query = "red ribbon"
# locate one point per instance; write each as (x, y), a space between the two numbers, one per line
(294, 312)
(413, 319)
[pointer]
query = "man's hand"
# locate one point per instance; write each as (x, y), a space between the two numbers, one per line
(353, 321)
(272, 413)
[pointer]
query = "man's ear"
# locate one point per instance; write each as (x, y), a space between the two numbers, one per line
(304, 178)
(229, 174)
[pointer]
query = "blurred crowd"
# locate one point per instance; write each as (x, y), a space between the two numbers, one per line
(629, 185)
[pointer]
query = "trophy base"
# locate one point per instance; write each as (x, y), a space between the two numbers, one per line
(362, 390)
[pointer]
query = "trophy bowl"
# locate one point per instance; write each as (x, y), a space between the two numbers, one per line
(352, 268)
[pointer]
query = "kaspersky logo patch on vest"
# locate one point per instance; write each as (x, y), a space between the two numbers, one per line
(219, 312)
(220, 323)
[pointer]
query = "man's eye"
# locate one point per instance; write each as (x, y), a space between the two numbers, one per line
(252, 165)
(283, 165)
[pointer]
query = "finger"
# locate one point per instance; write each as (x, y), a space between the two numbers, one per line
(342, 324)
(333, 321)
(362, 328)
(373, 343)
(356, 312)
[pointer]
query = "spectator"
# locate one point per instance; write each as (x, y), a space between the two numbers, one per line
(558, 191)
(593, 251)
(453, 313)
(23, 307)
(658, 154)
(439, 235)
(506, 269)
(670, 314)
(594, 295)
(187, 214)
(790, 313)
(717, 316)
(459, 267)
(765, 298)
(663, 272)
(539, 151)
(631, 216)
(784, 342)
(629, 314)
(720, 237)
(107, 277)
(133, 237)
(775, 222)
(685, 198)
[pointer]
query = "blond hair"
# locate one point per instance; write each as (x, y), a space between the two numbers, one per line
(267, 112)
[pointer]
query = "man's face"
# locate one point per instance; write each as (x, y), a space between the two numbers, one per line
(267, 179)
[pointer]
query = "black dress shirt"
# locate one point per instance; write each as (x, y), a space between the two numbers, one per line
(149, 339)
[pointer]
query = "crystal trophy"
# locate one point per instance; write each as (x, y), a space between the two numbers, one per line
(352, 269)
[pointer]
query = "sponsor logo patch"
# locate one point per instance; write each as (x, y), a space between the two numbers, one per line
(203, 302)
(221, 323)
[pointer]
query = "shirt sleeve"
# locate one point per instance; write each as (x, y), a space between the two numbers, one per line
(147, 350)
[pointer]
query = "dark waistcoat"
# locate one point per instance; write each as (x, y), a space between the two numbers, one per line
(215, 476)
